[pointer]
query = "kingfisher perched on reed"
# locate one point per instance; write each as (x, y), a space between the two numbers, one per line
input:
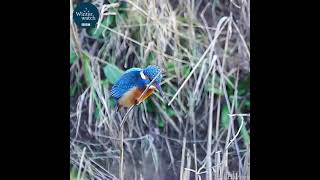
(131, 85)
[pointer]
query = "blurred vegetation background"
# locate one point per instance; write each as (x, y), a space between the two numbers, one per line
(203, 49)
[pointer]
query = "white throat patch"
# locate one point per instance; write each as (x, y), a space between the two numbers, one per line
(142, 75)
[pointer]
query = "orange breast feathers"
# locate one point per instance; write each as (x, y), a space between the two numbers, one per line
(131, 97)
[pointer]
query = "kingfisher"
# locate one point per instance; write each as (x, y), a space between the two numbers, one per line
(130, 86)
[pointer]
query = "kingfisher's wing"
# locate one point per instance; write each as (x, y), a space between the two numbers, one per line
(126, 82)
(133, 69)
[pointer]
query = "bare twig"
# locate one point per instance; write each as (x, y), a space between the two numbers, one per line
(236, 134)
(81, 161)
(182, 158)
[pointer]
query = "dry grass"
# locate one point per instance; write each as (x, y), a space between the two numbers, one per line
(200, 129)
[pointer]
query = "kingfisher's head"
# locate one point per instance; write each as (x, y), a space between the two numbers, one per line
(149, 73)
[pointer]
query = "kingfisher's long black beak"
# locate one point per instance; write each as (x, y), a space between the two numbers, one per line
(159, 88)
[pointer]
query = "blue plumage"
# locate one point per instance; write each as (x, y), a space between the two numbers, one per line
(133, 78)
(151, 72)
(133, 69)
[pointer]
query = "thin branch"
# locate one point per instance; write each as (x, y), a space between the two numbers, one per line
(236, 134)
